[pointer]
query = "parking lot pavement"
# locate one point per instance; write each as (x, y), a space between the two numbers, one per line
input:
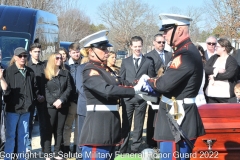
(36, 148)
(36, 153)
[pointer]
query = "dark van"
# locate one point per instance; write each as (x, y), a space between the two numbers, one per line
(121, 54)
(20, 27)
(65, 44)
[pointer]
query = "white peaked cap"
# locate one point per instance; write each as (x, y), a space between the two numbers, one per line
(170, 20)
(96, 39)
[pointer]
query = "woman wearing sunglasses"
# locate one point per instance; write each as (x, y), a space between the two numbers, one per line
(58, 88)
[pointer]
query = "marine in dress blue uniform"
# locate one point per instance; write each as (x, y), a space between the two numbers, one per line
(101, 130)
(182, 80)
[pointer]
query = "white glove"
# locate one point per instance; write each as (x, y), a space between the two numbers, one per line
(138, 87)
(144, 77)
(140, 83)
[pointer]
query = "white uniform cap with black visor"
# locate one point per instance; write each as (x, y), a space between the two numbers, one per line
(170, 21)
(96, 40)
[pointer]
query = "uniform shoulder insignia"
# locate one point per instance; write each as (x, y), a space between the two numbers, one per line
(93, 73)
(176, 62)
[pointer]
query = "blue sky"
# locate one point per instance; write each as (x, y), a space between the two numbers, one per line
(90, 7)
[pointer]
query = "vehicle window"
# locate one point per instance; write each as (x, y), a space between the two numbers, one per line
(8, 44)
(121, 54)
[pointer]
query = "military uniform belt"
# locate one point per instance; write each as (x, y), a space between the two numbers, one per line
(102, 107)
(185, 100)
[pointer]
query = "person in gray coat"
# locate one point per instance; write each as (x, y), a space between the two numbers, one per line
(81, 104)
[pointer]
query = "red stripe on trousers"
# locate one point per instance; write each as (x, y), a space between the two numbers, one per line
(174, 148)
(94, 153)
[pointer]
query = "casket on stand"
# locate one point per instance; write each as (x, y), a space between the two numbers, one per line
(222, 139)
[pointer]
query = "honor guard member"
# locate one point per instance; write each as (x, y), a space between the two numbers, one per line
(101, 129)
(181, 82)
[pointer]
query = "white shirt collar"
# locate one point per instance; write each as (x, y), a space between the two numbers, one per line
(71, 61)
(137, 57)
(160, 52)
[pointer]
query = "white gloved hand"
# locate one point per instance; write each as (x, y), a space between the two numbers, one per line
(138, 87)
(141, 83)
(144, 77)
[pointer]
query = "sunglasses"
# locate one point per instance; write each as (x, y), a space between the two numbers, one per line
(103, 48)
(24, 55)
(212, 44)
(159, 42)
(57, 58)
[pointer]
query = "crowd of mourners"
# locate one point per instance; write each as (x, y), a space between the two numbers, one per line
(54, 88)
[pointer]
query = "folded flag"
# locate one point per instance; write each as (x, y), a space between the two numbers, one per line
(147, 88)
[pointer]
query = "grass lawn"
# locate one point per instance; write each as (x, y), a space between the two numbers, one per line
(133, 156)
(128, 157)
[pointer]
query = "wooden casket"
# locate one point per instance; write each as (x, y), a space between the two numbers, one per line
(222, 139)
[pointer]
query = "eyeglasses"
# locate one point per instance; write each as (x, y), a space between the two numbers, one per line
(211, 43)
(58, 58)
(24, 55)
(159, 42)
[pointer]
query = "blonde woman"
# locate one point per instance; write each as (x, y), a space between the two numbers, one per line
(58, 89)
(111, 62)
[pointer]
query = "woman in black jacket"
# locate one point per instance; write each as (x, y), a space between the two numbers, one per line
(222, 71)
(58, 88)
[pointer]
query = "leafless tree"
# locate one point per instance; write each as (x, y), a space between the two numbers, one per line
(226, 16)
(197, 17)
(74, 25)
(47, 5)
(128, 18)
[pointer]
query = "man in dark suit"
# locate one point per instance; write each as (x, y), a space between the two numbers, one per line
(132, 69)
(161, 58)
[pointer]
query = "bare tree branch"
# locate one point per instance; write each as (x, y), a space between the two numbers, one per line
(128, 18)
(226, 15)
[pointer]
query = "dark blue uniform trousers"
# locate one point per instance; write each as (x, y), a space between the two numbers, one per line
(171, 150)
